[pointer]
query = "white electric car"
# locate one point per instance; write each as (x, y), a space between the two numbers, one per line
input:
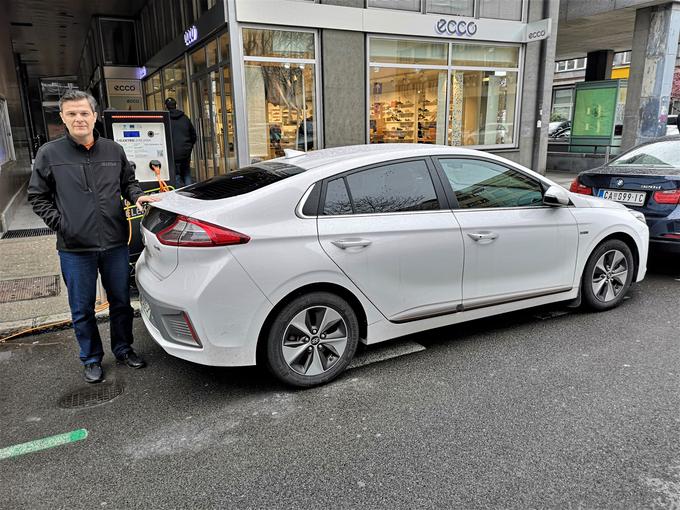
(293, 261)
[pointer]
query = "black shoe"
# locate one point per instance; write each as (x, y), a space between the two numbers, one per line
(93, 373)
(132, 360)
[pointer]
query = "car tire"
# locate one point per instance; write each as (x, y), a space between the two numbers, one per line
(607, 276)
(312, 340)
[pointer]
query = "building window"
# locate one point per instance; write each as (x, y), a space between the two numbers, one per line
(152, 89)
(403, 5)
(412, 86)
(119, 42)
(280, 86)
(562, 104)
(452, 7)
(6, 145)
(501, 9)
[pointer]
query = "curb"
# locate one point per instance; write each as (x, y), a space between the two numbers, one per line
(25, 325)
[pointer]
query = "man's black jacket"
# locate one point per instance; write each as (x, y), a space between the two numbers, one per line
(77, 193)
(183, 135)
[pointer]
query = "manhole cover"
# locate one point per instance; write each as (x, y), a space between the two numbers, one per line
(24, 289)
(98, 394)
(27, 232)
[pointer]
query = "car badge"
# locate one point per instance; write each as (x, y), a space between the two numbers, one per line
(619, 183)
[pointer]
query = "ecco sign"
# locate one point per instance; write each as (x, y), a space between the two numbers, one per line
(540, 34)
(190, 36)
(456, 28)
(125, 88)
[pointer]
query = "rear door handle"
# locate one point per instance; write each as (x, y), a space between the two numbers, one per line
(343, 244)
(483, 237)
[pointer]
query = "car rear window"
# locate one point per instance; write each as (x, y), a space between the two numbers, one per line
(664, 153)
(242, 181)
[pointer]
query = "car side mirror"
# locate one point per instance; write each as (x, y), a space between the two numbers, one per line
(556, 196)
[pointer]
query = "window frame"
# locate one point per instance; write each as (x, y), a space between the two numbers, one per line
(432, 172)
(451, 195)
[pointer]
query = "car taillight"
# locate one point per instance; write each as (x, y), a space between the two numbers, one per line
(671, 196)
(187, 231)
(577, 187)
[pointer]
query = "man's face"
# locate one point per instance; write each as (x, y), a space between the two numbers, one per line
(78, 117)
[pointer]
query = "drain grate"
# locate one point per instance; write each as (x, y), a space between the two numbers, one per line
(97, 394)
(27, 232)
(24, 289)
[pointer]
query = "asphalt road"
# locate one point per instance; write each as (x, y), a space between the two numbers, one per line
(530, 410)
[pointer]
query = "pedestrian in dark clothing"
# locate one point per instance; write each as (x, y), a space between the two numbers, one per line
(183, 140)
(75, 187)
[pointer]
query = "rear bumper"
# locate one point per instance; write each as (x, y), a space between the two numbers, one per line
(225, 309)
(664, 246)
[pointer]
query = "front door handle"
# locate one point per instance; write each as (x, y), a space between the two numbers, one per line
(343, 244)
(483, 237)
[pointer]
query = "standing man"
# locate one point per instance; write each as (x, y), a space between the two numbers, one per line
(75, 187)
(183, 140)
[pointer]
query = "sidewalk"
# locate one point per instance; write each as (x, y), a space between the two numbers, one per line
(36, 258)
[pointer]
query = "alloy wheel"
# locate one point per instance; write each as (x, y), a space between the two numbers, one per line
(610, 275)
(314, 340)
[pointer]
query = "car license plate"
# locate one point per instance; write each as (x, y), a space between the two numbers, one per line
(625, 197)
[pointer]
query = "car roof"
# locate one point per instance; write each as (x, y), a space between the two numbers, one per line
(352, 154)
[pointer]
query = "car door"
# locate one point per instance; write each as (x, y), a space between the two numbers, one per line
(515, 247)
(389, 229)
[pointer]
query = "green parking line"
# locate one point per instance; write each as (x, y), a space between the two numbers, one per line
(42, 444)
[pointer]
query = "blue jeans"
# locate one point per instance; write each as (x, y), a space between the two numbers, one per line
(79, 270)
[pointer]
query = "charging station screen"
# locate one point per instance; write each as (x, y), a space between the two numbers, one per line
(143, 142)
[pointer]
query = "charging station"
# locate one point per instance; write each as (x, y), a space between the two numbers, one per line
(146, 138)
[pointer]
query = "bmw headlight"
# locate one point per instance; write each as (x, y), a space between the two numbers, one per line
(638, 215)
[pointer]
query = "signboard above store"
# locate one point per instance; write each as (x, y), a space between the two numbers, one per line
(387, 21)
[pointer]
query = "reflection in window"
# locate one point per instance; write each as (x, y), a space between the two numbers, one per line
(393, 188)
(481, 184)
(337, 199)
(482, 107)
(277, 43)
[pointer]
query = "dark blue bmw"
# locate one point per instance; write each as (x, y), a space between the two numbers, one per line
(647, 179)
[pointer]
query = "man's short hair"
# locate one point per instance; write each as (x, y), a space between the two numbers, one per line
(77, 95)
(170, 103)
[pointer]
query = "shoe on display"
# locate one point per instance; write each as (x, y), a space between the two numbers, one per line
(93, 373)
(133, 360)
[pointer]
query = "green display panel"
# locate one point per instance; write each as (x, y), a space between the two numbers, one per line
(594, 112)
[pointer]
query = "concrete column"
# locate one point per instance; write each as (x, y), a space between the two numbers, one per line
(655, 46)
(344, 83)
(599, 65)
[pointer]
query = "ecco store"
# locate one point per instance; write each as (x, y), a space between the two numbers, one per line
(381, 75)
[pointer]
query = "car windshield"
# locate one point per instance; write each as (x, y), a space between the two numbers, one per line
(242, 181)
(665, 153)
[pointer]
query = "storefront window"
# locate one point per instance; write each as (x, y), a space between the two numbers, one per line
(211, 49)
(411, 92)
(501, 9)
(482, 107)
(278, 44)
(401, 51)
(484, 56)
(198, 62)
(280, 93)
(563, 102)
(408, 105)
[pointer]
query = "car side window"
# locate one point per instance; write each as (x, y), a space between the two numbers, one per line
(396, 187)
(337, 198)
(481, 184)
